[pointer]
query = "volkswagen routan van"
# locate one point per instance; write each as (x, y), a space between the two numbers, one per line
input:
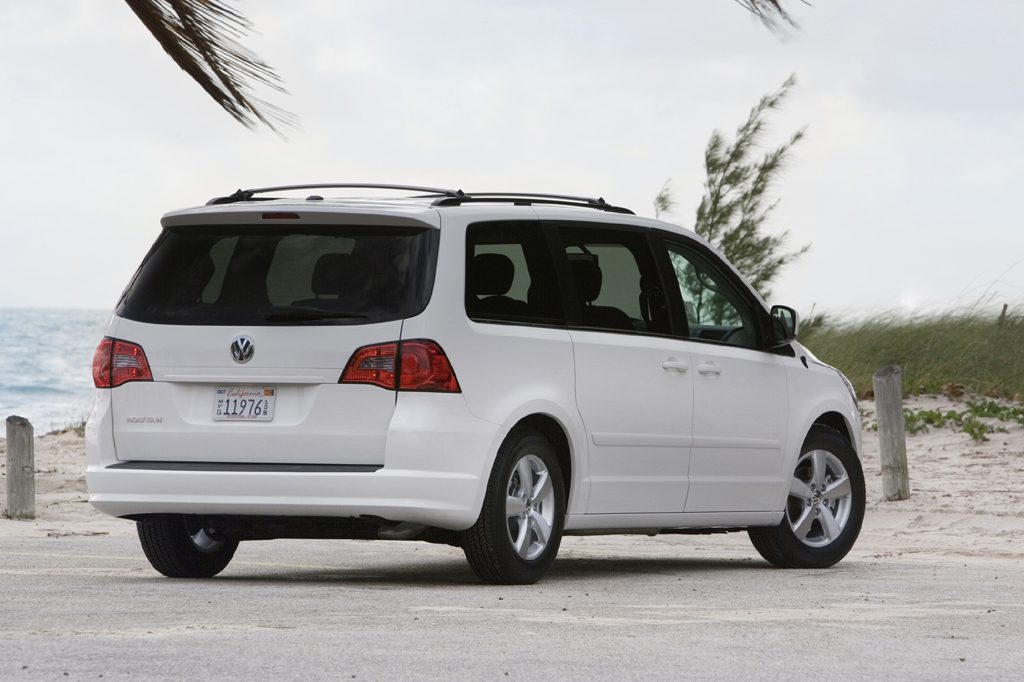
(488, 370)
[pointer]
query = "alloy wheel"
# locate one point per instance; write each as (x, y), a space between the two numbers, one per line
(820, 498)
(529, 507)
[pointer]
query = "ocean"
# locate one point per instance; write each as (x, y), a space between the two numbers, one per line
(46, 364)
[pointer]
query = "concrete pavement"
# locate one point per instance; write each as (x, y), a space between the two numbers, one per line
(611, 608)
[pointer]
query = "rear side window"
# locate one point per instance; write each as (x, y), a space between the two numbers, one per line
(617, 284)
(260, 276)
(510, 276)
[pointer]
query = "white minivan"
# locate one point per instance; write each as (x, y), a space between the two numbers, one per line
(487, 370)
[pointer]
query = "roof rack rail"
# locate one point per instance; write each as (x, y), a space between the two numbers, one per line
(445, 197)
(530, 198)
(249, 194)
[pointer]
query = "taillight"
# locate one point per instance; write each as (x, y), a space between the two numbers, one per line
(372, 365)
(425, 367)
(422, 366)
(117, 362)
(101, 363)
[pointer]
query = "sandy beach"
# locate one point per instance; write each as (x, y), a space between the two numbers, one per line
(967, 497)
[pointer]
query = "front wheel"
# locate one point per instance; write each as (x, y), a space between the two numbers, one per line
(825, 507)
(181, 547)
(516, 538)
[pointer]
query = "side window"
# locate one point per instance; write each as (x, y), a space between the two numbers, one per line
(510, 276)
(714, 310)
(616, 280)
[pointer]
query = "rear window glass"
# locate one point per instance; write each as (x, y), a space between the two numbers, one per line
(263, 276)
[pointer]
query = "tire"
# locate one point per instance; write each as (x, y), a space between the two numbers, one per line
(825, 507)
(516, 538)
(180, 547)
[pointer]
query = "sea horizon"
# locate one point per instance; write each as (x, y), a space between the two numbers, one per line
(46, 364)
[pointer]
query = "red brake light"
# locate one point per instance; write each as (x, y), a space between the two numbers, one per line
(101, 363)
(117, 362)
(424, 367)
(372, 365)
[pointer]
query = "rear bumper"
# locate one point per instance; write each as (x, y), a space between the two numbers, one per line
(437, 460)
(429, 498)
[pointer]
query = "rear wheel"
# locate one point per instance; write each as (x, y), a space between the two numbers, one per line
(825, 507)
(182, 547)
(516, 538)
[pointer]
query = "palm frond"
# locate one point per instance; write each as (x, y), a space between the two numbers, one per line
(201, 37)
(771, 12)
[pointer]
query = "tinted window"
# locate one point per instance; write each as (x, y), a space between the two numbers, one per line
(615, 278)
(714, 307)
(283, 275)
(509, 274)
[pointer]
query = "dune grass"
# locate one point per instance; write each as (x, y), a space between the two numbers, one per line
(76, 425)
(948, 353)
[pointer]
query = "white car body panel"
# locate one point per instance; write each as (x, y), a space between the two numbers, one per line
(636, 400)
(741, 406)
(317, 420)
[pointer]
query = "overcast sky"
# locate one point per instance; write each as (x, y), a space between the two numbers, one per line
(908, 185)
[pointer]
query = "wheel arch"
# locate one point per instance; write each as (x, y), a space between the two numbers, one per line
(832, 413)
(842, 417)
(556, 435)
(836, 422)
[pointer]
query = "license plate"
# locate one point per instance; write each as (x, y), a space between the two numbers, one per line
(244, 403)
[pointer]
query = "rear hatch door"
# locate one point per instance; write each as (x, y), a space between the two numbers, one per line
(247, 326)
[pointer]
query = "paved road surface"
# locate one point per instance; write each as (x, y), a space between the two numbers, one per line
(612, 608)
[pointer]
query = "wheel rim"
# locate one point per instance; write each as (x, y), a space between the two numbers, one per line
(529, 507)
(820, 499)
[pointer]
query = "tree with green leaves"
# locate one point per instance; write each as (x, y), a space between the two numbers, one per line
(737, 200)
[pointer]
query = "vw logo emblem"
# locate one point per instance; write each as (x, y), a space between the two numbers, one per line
(241, 349)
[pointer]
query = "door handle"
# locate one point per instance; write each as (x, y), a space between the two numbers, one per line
(709, 368)
(676, 364)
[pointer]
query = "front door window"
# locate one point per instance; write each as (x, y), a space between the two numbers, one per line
(715, 311)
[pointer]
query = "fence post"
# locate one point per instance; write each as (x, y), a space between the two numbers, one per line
(21, 467)
(892, 433)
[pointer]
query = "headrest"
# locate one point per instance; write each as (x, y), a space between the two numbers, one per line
(330, 272)
(587, 274)
(491, 274)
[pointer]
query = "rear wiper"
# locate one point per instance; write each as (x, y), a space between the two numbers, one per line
(299, 314)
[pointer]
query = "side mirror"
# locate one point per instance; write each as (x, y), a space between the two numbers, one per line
(785, 324)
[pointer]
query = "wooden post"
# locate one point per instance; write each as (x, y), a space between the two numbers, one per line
(21, 467)
(892, 433)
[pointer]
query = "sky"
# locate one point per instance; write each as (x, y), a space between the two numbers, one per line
(907, 185)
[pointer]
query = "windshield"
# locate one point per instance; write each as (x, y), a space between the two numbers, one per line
(254, 275)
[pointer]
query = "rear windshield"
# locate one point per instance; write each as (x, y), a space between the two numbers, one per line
(255, 275)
